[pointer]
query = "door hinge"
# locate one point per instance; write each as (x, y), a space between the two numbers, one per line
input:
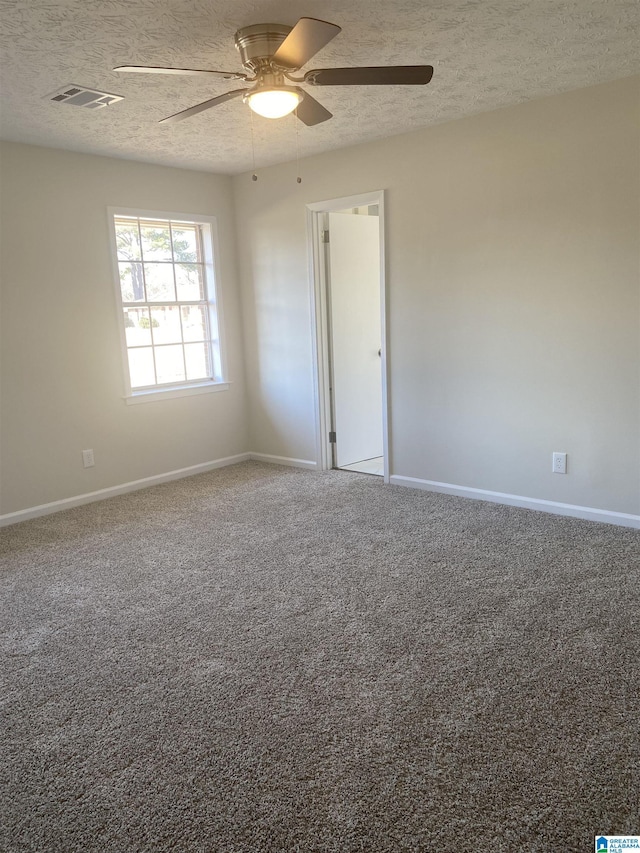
(332, 438)
(325, 236)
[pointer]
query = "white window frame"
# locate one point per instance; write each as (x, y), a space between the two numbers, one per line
(214, 300)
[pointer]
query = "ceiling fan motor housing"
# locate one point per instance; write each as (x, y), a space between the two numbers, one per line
(258, 43)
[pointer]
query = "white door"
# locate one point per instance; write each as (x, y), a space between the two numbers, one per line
(355, 321)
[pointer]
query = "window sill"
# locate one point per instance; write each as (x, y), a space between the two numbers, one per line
(151, 395)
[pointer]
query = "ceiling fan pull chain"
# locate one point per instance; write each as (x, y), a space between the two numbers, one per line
(254, 177)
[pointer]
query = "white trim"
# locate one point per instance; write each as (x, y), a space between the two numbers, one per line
(319, 322)
(309, 464)
(112, 491)
(155, 394)
(333, 204)
(555, 507)
(319, 339)
(384, 325)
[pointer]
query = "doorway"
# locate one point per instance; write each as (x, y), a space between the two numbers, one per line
(347, 238)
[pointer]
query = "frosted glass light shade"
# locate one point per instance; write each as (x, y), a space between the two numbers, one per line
(274, 103)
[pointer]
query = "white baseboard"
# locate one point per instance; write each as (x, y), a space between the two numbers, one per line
(555, 507)
(604, 515)
(123, 488)
(309, 464)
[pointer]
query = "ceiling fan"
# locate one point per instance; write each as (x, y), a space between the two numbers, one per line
(271, 53)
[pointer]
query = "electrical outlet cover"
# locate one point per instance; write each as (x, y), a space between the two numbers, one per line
(559, 463)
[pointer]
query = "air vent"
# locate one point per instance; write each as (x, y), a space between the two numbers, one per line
(80, 96)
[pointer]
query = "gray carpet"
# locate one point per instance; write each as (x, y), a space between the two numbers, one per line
(268, 659)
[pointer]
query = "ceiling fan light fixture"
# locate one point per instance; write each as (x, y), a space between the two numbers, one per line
(275, 102)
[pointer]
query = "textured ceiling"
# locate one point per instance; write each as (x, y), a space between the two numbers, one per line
(486, 54)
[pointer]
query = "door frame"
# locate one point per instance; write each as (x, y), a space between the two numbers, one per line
(320, 325)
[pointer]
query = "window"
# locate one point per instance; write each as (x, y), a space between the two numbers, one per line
(168, 305)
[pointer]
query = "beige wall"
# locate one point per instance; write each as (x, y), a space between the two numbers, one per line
(513, 292)
(62, 383)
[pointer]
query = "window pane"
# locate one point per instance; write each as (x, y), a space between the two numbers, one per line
(141, 367)
(136, 326)
(159, 278)
(166, 324)
(197, 361)
(128, 240)
(156, 242)
(194, 326)
(190, 282)
(170, 364)
(185, 243)
(131, 282)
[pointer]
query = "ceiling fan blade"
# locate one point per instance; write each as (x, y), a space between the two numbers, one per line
(205, 105)
(311, 112)
(151, 69)
(307, 37)
(391, 75)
